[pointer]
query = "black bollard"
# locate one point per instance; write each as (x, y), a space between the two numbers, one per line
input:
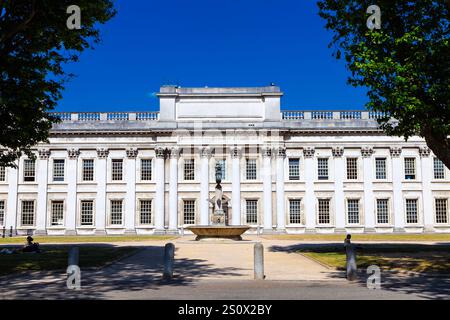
(169, 257)
(10, 232)
(4, 231)
(351, 266)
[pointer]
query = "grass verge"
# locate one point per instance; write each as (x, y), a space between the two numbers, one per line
(81, 239)
(444, 237)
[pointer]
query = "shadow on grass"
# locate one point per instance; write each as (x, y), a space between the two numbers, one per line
(425, 285)
(141, 271)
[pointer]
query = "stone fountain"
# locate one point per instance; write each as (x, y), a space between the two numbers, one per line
(218, 228)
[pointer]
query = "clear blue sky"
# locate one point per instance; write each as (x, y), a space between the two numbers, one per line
(210, 43)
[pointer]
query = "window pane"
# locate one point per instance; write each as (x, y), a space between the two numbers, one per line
(353, 211)
(411, 211)
(189, 212)
(146, 169)
(117, 169)
(27, 213)
(2, 173)
(116, 212)
(29, 167)
(294, 211)
(382, 211)
(2, 213)
(223, 167)
(87, 213)
(146, 212)
(410, 168)
(294, 169)
(439, 169)
(441, 211)
(189, 169)
(352, 168)
(88, 170)
(251, 169)
(322, 168)
(380, 168)
(58, 170)
(324, 211)
(57, 218)
(251, 211)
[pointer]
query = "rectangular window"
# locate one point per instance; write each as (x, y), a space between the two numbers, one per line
(410, 168)
(439, 169)
(27, 213)
(324, 211)
(352, 168)
(116, 212)
(322, 168)
(29, 170)
(2, 173)
(353, 211)
(2, 213)
(382, 211)
(441, 211)
(189, 169)
(87, 213)
(380, 168)
(411, 211)
(251, 211)
(146, 212)
(294, 211)
(223, 167)
(58, 170)
(57, 217)
(189, 212)
(250, 169)
(146, 169)
(88, 170)
(117, 170)
(294, 169)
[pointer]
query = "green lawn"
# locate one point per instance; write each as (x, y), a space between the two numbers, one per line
(55, 258)
(363, 237)
(81, 239)
(415, 258)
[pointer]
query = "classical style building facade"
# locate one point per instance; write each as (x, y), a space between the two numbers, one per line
(282, 171)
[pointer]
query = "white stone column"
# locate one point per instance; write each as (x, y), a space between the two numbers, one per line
(339, 172)
(205, 154)
(267, 188)
(236, 186)
(173, 190)
(100, 171)
(427, 195)
(368, 205)
(72, 169)
(130, 201)
(397, 177)
(281, 207)
(310, 199)
(42, 180)
(160, 190)
(11, 214)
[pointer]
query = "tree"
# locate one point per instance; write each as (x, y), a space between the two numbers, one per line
(405, 65)
(35, 43)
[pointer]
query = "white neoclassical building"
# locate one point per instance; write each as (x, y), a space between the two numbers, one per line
(283, 171)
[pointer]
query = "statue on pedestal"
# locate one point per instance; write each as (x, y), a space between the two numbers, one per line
(218, 216)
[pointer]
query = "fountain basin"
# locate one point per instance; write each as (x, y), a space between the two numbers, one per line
(218, 232)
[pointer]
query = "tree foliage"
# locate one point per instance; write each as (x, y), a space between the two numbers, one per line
(405, 65)
(35, 43)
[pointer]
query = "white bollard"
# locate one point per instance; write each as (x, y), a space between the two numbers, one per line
(169, 257)
(73, 269)
(259, 261)
(351, 266)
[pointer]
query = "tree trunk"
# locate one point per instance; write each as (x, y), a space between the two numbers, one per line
(439, 144)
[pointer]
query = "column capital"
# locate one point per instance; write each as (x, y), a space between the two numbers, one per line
(102, 153)
(160, 152)
(205, 152)
(395, 152)
(337, 152)
(236, 152)
(309, 152)
(424, 152)
(132, 153)
(73, 153)
(366, 152)
(266, 151)
(174, 152)
(44, 154)
(281, 152)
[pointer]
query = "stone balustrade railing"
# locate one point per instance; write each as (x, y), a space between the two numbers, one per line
(154, 116)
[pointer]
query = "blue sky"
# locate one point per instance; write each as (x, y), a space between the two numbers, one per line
(210, 43)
